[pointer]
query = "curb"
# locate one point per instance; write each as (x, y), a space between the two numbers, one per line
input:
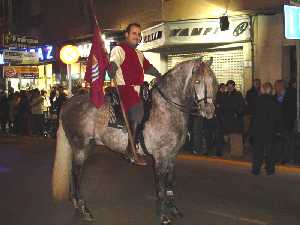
(237, 163)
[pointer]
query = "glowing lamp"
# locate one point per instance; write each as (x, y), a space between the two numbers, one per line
(69, 54)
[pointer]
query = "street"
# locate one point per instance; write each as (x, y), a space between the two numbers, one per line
(119, 193)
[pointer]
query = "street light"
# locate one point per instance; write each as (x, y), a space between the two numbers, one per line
(69, 54)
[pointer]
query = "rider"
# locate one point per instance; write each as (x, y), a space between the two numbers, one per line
(127, 67)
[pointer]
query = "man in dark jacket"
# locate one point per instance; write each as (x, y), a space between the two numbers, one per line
(289, 106)
(252, 95)
(265, 126)
(4, 109)
(232, 109)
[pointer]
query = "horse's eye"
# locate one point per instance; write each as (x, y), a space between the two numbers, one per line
(197, 82)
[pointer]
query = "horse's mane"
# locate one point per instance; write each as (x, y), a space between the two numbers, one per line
(172, 70)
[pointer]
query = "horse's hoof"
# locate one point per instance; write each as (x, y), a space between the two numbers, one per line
(84, 211)
(165, 221)
(75, 203)
(176, 213)
(88, 217)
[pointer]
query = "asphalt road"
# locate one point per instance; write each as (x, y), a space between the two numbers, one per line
(119, 193)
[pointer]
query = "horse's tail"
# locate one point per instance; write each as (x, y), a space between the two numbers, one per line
(62, 166)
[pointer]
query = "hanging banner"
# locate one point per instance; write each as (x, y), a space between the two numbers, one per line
(28, 72)
(18, 57)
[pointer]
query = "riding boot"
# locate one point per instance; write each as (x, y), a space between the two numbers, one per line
(132, 153)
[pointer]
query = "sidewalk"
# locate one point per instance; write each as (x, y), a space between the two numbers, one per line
(244, 163)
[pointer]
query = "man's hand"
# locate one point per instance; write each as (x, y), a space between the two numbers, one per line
(153, 71)
(112, 70)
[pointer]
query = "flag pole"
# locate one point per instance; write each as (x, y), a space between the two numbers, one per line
(130, 136)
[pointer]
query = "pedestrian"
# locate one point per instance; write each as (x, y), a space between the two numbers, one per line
(221, 93)
(283, 153)
(266, 126)
(233, 107)
(60, 100)
(4, 111)
(37, 106)
(289, 110)
(252, 95)
(23, 114)
(13, 104)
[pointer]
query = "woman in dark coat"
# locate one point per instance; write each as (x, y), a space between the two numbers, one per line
(266, 125)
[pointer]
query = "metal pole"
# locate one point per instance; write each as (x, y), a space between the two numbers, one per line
(69, 80)
(298, 84)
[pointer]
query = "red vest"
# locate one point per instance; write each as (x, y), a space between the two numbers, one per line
(133, 74)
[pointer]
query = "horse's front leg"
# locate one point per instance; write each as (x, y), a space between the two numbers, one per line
(164, 173)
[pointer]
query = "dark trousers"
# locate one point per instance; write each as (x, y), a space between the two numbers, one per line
(3, 122)
(37, 124)
(198, 134)
(263, 152)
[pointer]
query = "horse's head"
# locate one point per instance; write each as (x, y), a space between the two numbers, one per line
(203, 85)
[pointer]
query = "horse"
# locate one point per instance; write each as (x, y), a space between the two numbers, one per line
(187, 88)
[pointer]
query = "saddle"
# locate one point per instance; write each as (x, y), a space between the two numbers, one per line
(116, 119)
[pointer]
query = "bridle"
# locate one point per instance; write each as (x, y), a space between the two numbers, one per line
(183, 108)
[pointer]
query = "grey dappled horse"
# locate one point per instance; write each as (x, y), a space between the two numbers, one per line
(188, 86)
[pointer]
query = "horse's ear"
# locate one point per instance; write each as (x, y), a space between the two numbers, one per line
(210, 61)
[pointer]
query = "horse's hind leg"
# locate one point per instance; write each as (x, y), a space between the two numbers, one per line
(77, 167)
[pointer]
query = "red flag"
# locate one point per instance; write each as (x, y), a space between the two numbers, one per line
(96, 66)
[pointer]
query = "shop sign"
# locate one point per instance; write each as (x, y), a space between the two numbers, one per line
(84, 49)
(18, 41)
(18, 57)
(196, 32)
(28, 72)
(45, 53)
(292, 22)
(1, 59)
(208, 31)
(153, 37)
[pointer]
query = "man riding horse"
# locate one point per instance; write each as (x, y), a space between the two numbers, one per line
(127, 67)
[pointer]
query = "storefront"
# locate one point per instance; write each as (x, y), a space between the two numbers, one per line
(169, 43)
(22, 72)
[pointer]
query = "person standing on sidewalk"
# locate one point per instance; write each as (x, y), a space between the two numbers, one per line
(37, 105)
(265, 126)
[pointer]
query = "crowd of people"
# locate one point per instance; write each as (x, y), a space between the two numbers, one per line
(29, 112)
(265, 120)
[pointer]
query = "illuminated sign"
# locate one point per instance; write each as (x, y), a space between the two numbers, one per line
(69, 54)
(292, 22)
(45, 53)
(84, 49)
(28, 72)
(20, 57)
(1, 59)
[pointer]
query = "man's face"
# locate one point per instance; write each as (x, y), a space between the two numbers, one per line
(230, 87)
(257, 84)
(279, 87)
(133, 37)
